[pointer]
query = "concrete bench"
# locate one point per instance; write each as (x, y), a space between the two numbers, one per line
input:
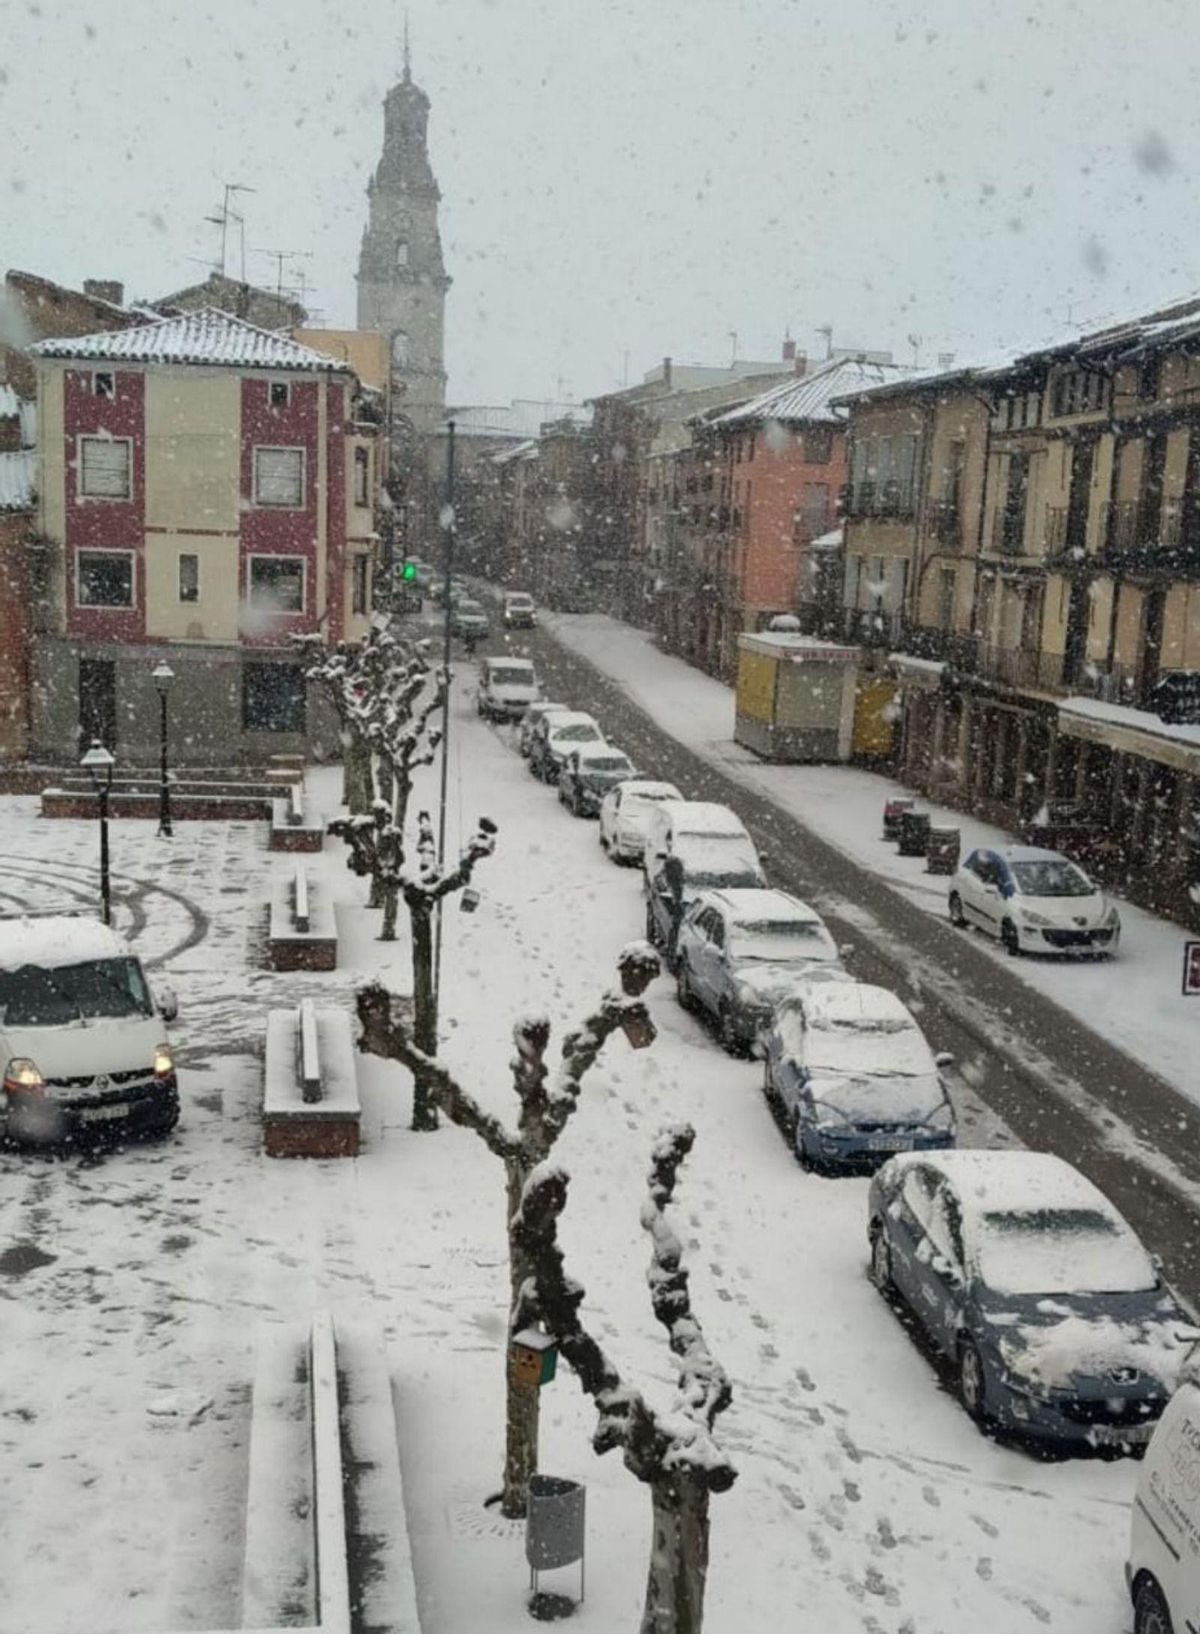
(292, 827)
(310, 1091)
(303, 931)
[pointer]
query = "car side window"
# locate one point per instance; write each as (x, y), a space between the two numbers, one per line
(916, 1192)
(944, 1227)
(985, 867)
(717, 931)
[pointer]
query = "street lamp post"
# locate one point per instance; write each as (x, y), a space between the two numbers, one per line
(163, 676)
(99, 762)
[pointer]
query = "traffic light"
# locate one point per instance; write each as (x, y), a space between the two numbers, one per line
(409, 570)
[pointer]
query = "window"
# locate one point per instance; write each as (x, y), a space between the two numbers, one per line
(362, 476)
(945, 612)
(359, 583)
(402, 253)
(279, 476)
(104, 467)
(818, 444)
(189, 577)
(273, 698)
(400, 350)
(104, 384)
(277, 583)
(814, 516)
(104, 578)
(1077, 391)
(281, 394)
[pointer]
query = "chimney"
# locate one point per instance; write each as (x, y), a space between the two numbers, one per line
(105, 289)
(667, 373)
(789, 349)
(801, 362)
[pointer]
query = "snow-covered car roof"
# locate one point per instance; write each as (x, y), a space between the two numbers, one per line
(643, 788)
(53, 940)
(703, 818)
(715, 855)
(572, 717)
(518, 595)
(1029, 853)
(746, 905)
(864, 1028)
(601, 751)
(995, 1181)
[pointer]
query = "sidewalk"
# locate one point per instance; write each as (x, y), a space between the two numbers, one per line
(1133, 1002)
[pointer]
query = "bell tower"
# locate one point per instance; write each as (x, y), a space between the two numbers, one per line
(402, 280)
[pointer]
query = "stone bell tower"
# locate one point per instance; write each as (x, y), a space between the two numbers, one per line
(402, 280)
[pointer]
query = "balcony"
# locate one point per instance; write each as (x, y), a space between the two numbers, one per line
(952, 647)
(880, 501)
(872, 627)
(1008, 532)
(1021, 667)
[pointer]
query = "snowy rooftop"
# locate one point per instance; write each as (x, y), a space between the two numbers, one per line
(16, 479)
(810, 397)
(524, 417)
(797, 645)
(206, 336)
(1138, 720)
(57, 939)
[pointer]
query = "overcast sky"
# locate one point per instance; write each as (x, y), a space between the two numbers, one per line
(623, 181)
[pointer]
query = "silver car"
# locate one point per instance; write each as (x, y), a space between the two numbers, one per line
(739, 952)
(625, 813)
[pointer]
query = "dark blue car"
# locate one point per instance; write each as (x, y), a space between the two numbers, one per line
(1056, 1321)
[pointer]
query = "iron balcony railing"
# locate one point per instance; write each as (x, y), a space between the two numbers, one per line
(1008, 532)
(943, 521)
(890, 501)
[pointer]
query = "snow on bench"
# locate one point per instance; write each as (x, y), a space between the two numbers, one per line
(310, 1093)
(302, 934)
(291, 828)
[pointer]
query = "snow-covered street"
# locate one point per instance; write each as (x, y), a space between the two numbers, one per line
(866, 1499)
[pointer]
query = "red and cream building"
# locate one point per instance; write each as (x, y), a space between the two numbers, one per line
(208, 489)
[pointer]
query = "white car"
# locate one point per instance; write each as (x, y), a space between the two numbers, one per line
(531, 719)
(518, 611)
(625, 816)
(1034, 901)
(82, 1042)
(554, 739)
(853, 1077)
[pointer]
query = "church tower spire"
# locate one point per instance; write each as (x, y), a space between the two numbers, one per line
(402, 280)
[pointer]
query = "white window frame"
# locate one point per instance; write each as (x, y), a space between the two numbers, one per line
(362, 462)
(277, 556)
(280, 448)
(107, 606)
(279, 385)
(364, 557)
(188, 601)
(82, 497)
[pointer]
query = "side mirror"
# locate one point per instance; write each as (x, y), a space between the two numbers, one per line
(167, 1003)
(944, 1059)
(944, 1269)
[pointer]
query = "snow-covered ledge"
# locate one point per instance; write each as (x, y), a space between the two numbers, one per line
(310, 1085)
(1134, 731)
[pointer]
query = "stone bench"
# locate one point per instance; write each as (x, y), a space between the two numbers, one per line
(292, 827)
(186, 806)
(303, 931)
(310, 1089)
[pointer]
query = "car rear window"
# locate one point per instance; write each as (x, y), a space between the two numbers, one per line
(1061, 1251)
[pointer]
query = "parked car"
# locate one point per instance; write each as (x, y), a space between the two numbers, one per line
(737, 952)
(852, 1076)
(82, 1040)
(672, 883)
(1035, 901)
(673, 820)
(555, 737)
(625, 814)
(468, 619)
(1023, 1275)
(532, 718)
(588, 773)
(1163, 1569)
(507, 687)
(518, 611)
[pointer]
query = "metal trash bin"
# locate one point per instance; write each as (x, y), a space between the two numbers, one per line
(914, 833)
(942, 851)
(893, 811)
(554, 1524)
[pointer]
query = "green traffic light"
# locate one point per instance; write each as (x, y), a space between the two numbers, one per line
(409, 570)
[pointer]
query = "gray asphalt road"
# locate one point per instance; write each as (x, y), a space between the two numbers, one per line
(1057, 1085)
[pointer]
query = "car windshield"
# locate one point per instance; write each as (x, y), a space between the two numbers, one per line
(510, 675)
(520, 601)
(606, 763)
(867, 1046)
(35, 997)
(1061, 1251)
(744, 879)
(1052, 877)
(776, 940)
(579, 732)
(465, 606)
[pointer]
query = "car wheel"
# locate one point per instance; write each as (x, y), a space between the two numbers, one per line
(881, 1262)
(1150, 1614)
(957, 917)
(972, 1386)
(683, 988)
(1010, 939)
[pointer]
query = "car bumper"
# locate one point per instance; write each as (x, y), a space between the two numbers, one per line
(522, 621)
(44, 1120)
(1056, 939)
(1076, 1423)
(868, 1147)
(500, 711)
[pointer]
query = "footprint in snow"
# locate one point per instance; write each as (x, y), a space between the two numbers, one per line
(805, 1378)
(931, 1497)
(790, 1496)
(851, 1492)
(848, 1446)
(819, 1547)
(759, 1319)
(983, 1568)
(986, 1527)
(767, 1353)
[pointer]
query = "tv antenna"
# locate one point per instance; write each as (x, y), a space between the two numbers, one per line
(223, 219)
(915, 342)
(279, 257)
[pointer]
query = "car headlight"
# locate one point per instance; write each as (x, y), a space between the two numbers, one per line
(23, 1077)
(942, 1117)
(1038, 919)
(164, 1061)
(828, 1117)
(746, 998)
(1112, 920)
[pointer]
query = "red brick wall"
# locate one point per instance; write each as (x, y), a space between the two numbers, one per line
(268, 530)
(105, 524)
(772, 550)
(14, 635)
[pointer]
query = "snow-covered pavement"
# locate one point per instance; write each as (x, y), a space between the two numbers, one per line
(133, 1289)
(1134, 1002)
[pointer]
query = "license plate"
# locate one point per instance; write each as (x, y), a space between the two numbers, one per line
(102, 1114)
(1122, 1435)
(886, 1143)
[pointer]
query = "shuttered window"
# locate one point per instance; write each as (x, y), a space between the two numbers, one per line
(104, 467)
(279, 476)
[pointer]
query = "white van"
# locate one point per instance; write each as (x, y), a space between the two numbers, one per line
(1163, 1569)
(507, 687)
(673, 820)
(82, 1043)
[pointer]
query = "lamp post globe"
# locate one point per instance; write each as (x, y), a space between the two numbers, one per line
(99, 763)
(163, 675)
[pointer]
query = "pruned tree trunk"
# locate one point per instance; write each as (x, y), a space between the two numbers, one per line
(390, 901)
(678, 1567)
(356, 775)
(522, 1403)
(424, 1113)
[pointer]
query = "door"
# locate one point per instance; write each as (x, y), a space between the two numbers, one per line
(943, 1280)
(1082, 460)
(1078, 614)
(989, 903)
(905, 1227)
(97, 702)
(708, 962)
(1153, 607)
(970, 887)
(1012, 526)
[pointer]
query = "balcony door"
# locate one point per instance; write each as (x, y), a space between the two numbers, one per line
(1082, 461)
(1078, 613)
(1150, 647)
(1012, 523)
